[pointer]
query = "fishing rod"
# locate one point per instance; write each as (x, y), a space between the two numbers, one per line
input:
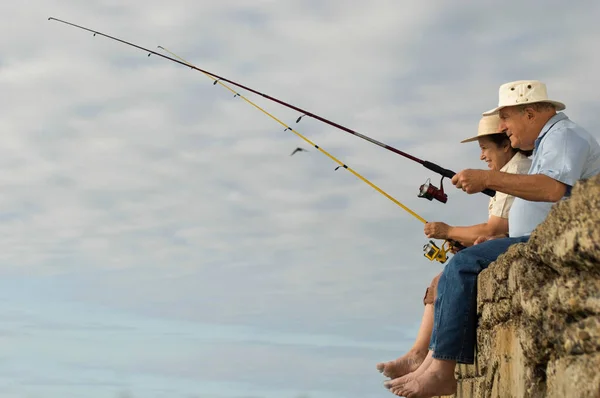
(431, 250)
(427, 190)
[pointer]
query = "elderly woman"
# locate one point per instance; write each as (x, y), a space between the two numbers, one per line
(497, 152)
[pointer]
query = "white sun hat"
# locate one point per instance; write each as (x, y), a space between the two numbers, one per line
(523, 92)
(488, 125)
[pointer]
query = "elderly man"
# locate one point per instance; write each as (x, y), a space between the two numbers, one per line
(563, 153)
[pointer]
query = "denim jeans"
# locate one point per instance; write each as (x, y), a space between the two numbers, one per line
(455, 314)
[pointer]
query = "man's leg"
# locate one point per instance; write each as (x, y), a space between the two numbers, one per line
(453, 335)
(396, 385)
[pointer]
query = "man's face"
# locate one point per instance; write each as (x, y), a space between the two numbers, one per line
(518, 125)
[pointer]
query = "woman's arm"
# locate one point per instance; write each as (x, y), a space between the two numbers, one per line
(467, 235)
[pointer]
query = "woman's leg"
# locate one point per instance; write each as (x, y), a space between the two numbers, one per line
(410, 361)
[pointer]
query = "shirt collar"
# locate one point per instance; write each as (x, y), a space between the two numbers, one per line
(514, 159)
(553, 120)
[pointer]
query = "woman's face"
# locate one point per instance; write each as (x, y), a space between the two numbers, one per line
(494, 155)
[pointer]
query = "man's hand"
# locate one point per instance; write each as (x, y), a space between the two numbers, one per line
(471, 181)
(482, 239)
(436, 230)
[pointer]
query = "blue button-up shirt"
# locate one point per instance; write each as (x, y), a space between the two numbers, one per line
(563, 151)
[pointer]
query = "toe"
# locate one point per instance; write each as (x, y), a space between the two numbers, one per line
(404, 391)
(390, 384)
(398, 389)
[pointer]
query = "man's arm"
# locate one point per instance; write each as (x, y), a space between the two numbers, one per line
(468, 235)
(560, 165)
(532, 187)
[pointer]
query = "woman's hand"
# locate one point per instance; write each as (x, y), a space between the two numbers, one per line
(436, 230)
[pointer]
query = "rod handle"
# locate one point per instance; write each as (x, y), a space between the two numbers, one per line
(449, 174)
(456, 244)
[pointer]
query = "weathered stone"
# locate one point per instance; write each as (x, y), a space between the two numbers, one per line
(509, 375)
(488, 288)
(572, 295)
(492, 283)
(484, 350)
(464, 371)
(577, 376)
(495, 313)
(576, 340)
(472, 388)
(569, 239)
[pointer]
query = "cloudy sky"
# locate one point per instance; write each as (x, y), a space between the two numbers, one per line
(157, 240)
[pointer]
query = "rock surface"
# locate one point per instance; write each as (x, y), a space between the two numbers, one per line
(539, 310)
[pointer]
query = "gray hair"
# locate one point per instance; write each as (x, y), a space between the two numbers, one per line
(537, 106)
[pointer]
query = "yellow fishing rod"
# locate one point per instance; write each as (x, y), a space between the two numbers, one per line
(431, 250)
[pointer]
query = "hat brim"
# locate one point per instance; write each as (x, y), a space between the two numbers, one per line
(559, 107)
(479, 136)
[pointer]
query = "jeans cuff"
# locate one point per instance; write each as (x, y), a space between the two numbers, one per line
(459, 359)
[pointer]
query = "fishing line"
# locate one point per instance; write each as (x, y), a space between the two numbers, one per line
(427, 190)
(287, 127)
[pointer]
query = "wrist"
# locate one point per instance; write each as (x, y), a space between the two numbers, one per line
(489, 178)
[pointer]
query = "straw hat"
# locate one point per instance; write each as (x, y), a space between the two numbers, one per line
(488, 125)
(523, 92)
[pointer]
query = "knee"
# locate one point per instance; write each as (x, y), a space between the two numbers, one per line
(460, 256)
(460, 263)
(431, 291)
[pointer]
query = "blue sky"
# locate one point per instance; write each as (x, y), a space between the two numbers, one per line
(157, 240)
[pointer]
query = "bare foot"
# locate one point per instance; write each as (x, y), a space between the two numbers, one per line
(432, 383)
(401, 381)
(407, 363)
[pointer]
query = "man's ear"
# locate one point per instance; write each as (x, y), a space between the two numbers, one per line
(529, 113)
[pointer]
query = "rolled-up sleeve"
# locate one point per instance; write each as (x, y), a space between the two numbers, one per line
(501, 205)
(563, 157)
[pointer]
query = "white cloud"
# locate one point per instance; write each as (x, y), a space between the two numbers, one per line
(134, 183)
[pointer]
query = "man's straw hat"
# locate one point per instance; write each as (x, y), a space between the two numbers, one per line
(523, 92)
(488, 125)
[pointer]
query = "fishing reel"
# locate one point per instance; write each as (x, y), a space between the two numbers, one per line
(431, 192)
(432, 252)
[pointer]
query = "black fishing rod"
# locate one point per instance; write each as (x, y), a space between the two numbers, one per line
(427, 190)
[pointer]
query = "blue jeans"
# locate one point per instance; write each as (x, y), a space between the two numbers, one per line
(455, 314)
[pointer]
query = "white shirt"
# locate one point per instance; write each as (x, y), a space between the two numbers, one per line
(501, 203)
